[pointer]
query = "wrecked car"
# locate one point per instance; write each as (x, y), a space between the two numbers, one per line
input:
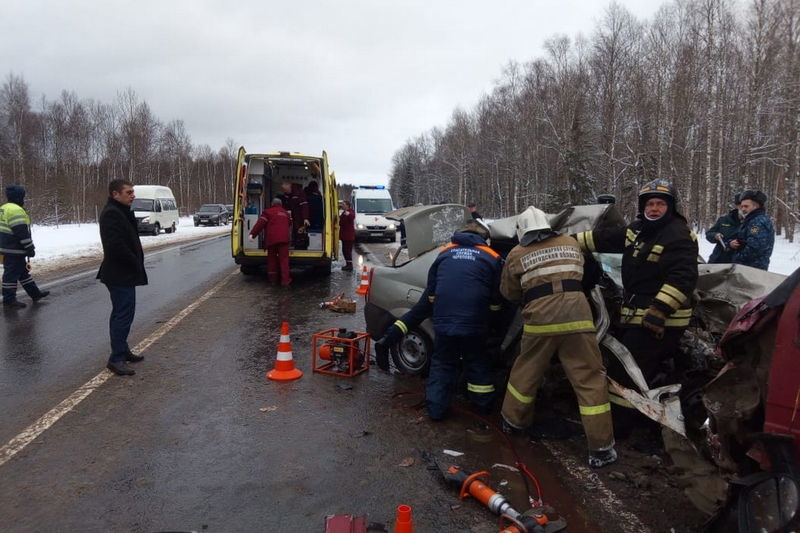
(729, 419)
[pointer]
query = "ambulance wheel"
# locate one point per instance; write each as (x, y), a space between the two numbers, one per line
(156, 228)
(171, 229)
(412, 355)
(323, 270)
(248, 270)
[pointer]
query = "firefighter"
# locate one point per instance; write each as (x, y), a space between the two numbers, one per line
(463, 288)
(15, 245)
(659, 274)
(544, 273)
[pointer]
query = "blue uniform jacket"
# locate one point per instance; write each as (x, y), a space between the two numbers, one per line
(728, 226)
(758, 236)
(464, 284)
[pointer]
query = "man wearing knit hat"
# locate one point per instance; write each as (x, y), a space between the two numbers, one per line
(16, 244)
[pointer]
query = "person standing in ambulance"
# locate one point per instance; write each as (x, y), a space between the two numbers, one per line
(276, 223)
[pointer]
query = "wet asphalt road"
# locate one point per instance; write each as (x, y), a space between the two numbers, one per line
(199, 440)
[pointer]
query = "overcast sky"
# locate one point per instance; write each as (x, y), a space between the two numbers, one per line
(356, 78)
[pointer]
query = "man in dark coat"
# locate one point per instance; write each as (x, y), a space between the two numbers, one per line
(723, 232)
(276, 224)
(122, 270)
(295, 201)
(756, 236)
(315, 206)
(464, 289)
(15, 245)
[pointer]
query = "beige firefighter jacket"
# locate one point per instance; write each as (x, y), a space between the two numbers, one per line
(541, 268)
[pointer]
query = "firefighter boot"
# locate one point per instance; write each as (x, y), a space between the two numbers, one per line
(603, 457)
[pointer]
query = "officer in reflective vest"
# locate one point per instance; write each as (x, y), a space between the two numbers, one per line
(15, 245)
(544, 273)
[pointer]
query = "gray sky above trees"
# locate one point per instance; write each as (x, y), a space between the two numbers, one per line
(354, 77)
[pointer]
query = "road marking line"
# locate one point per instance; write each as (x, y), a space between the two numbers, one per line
(630, 523)
(32, 432)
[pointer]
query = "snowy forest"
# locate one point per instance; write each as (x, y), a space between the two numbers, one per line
(66, 151)
(706, 94)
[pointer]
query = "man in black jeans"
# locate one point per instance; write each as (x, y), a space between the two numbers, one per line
(121, 271)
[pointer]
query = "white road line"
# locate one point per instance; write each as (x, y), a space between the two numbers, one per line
(629, 522)
(32, 432)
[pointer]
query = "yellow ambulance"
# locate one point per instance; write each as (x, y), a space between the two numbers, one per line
(260, 177)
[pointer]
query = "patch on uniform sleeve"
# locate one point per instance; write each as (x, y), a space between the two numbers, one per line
(754, 230)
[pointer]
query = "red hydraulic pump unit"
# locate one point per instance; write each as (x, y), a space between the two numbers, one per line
(340, 352)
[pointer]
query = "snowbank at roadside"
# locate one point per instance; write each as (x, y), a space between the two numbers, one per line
(57, 246)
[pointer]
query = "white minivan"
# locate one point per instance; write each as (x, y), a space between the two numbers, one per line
(155, 209)
(370, 203)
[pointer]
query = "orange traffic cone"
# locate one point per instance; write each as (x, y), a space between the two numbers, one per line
(284, 365)
(403, 523)
(364, 287)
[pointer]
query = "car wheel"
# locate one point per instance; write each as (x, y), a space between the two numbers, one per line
(412, 355)
(156, 229)
(196, 224)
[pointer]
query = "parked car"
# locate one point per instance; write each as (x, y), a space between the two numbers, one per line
(211, 215)
(732, 411)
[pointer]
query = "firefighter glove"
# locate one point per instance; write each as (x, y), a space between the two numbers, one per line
(31, 253)
(654, 319)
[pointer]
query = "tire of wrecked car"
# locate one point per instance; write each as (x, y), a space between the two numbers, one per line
(412, 355)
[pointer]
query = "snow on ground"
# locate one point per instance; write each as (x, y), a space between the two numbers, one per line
(785, 256)
(57, 246)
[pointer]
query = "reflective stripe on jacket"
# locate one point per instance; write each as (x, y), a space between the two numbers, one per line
(659, 266)
(552, 261)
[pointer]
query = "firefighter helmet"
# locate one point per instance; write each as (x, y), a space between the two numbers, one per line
(530, 220)
(658, 188)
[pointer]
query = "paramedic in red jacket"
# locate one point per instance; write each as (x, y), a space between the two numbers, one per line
(276, 223)
(347, 234)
